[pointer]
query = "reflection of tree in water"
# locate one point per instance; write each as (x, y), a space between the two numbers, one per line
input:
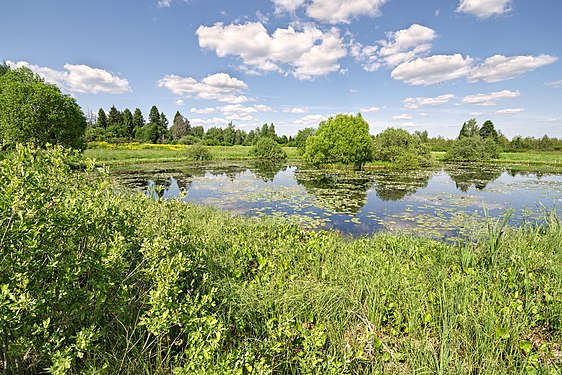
(393, 186)
(339, 191)
(478, 176)
(267, 170)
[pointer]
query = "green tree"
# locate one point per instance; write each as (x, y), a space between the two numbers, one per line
(102, 119)
(214, 136)
(344, 139)
(469, 129)
(37, 112)
(154, 116)
(115, 117)
(180, 127)
(271, 132)
(128, 122)
(229, 134)
(300, 139)
(138, 119)
(198, 132)
(266, 148)
(402, 149)
(487, 130)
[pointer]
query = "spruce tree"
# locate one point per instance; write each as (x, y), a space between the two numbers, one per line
(102, 119)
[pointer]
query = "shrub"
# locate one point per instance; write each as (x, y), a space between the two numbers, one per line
(340, 139)
(198, 152)
(188, 140)
(266, 148)
(402, 149)
(472, 149)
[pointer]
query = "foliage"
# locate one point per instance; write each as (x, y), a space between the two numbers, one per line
(340, 139)
(188, 140)
(198, 152)
(267, 148)
(472, 149)
(469, 129)
(32, 111)
(300, 140)
(93, 281)
(402, 149)
(180, 127)
(488, 131)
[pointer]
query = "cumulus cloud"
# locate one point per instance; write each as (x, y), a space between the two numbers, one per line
(400, 46)
(203, 111)
(433, 69)
(220, 86)
(414, 103)
(295, 110)
(164, 3)
(290, 6)
(484, 8)
(305, 54)
(500, 68)
(79, 78)
(555, 84)
(403, 117)
(179, 102)
(237, 108)
(311, 119)
(336, 11)
(490, 98)
(369, 109)
(215, 121)
(509, 111)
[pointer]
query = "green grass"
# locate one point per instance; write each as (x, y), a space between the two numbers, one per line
(99, 282)
(134, 153)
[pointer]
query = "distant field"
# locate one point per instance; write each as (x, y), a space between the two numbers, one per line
(136, 153)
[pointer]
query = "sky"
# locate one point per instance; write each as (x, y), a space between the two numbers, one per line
(417, 65)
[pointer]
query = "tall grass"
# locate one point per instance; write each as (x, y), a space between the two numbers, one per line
(162, 287)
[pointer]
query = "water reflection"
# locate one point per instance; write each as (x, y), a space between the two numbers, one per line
(267, 170)
(478, 176)
(395, 186)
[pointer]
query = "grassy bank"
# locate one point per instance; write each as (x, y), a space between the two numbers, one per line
(93, 281)
(138, 153)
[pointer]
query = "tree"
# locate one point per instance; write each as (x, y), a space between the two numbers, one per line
(4, 68)
(198, 132)
(229, 134)
(300, 139)
(472, 149)
(115, 117)
(138, 119)
(271, 132)
(266, 148)
(180, 127)
(344, 139)
(469, 129)
(32, 111)
(402, 149)
(154, 116)
(487, 130)
(163, 121)
(102, 119)
(128, 122)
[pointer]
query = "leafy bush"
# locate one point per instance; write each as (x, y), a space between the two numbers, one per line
(198, 152)
(471, 149)
(266, 148)
(402, 149)
(340, 139)
(189, 140)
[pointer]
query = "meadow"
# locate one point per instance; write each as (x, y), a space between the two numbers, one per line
(96, 280)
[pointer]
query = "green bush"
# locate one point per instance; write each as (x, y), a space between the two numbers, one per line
(198, 152)
(267, 149)
(473, 149)
(402, 149)
(341, 139)
(188, 140)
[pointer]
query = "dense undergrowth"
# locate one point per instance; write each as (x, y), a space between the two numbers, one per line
(97, 281)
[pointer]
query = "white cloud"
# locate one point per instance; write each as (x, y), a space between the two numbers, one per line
(79, 78)
(311, 119)
(500, 68)
(335, 11)
(295, 110)
(164, 3)
(510, 111)
(369, 109)
(240, 109)
(550, 120)
(400, 46)
(491, 98)
(403, 117)
(414, 103)
(305, 54)
(555, 84)
(220, 86)
(179, 102)
(476, 114)
(215, 121)
(203, 111)
(484, 8)
(433, 69)
(290, 6)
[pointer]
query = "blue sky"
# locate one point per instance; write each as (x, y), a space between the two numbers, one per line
(420, 65)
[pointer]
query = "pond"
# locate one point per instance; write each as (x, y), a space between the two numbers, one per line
(444, 202)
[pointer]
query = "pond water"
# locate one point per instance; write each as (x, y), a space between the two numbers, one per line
(436, 202)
